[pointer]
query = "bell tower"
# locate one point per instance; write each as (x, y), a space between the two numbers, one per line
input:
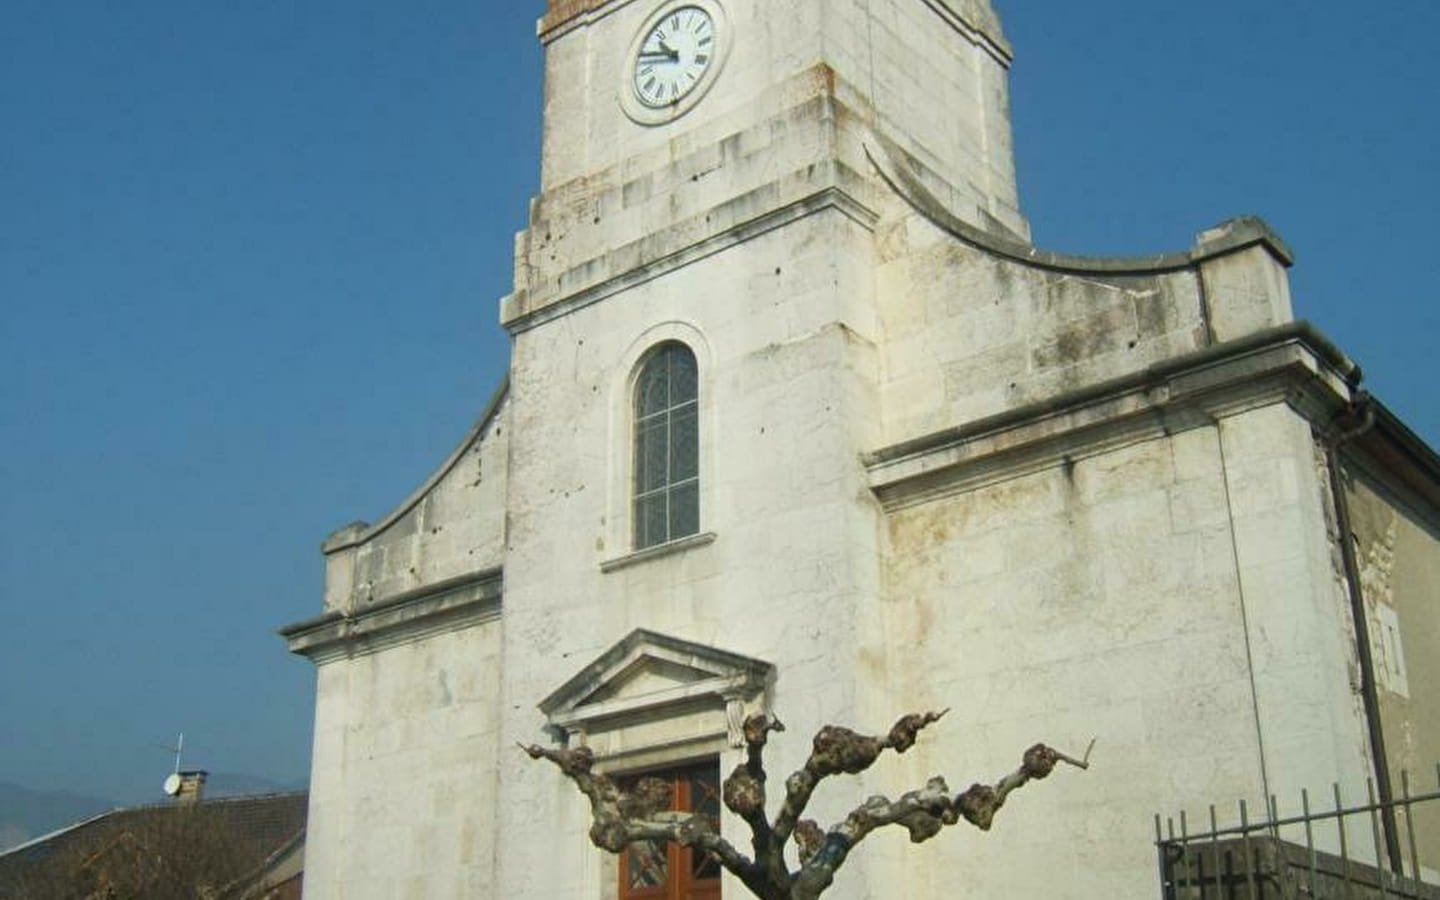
(804, 83)
(710, 207)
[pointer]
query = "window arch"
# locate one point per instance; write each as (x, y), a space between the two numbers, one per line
(666, 488)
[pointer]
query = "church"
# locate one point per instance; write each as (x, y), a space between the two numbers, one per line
(799, 421)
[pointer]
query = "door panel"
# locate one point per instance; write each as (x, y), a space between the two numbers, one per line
(650, 870)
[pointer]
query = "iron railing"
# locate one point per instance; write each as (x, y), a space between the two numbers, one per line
(1379, 850)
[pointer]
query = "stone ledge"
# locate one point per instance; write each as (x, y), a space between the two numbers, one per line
(563, 16)
(414, 615)
(1291, 364)
(521, 313)
(979, 24)
(666, 549)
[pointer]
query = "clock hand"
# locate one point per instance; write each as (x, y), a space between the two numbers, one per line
(671, 55)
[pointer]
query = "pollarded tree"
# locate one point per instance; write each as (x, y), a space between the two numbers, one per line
(622, 818)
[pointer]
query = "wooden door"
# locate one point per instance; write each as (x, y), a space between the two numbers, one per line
(650, 870)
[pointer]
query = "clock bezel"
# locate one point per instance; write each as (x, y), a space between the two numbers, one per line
(640, 112)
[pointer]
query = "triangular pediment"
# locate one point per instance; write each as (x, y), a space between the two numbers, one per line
(647, 672)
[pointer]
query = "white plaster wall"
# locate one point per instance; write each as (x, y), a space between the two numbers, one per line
(403, 784)
(807, 88)
(940, 93)
(938, 90)
(969, 334)
(1302, 639)
(1246, 292)
(1128, 596)
(587, 131)
(780, 327)
(1397, 542)
(663, 200)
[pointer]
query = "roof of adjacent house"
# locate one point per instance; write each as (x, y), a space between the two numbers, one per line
(215, 842)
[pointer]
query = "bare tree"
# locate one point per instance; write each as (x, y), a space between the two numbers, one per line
(621, 818)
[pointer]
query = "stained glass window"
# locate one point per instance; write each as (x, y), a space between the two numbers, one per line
(667, 447)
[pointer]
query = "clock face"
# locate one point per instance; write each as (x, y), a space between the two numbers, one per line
(673, 56)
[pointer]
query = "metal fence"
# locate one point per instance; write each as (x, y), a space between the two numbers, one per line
(1378, 850)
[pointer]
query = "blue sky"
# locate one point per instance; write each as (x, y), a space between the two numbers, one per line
(251, 253)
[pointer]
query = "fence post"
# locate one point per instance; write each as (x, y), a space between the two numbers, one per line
(1344, 842)
(1410, 828)
(1375, 832)
(1250, 861)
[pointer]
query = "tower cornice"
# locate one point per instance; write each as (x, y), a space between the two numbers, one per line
(975, 17)
(563, 15)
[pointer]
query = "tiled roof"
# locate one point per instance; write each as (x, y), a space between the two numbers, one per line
(216, 841)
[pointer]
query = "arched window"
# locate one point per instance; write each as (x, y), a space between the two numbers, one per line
(667, 447)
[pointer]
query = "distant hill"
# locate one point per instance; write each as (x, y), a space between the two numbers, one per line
(236, 784)
(26, 814)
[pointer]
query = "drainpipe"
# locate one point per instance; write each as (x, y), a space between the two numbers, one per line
(1350, 424)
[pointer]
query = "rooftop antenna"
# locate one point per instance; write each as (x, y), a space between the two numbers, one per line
(173, 782)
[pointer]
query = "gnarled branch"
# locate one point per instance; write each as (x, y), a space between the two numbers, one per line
(621, 817)
(923, 813)
(744, 795)
(839, 750)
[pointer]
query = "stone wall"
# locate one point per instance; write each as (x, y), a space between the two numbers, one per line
(452, 526)
(928, 57)
(405, 770)
(786, 560)
(1398, 548)
(1170, 597)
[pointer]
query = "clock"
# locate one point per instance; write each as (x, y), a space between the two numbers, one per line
(674, 55)
(673, 60)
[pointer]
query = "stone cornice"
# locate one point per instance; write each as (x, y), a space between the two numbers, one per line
(977, 22)
(1291, 364)
(1395, 457)
(825, 186)
(563, 15)
(413, 615)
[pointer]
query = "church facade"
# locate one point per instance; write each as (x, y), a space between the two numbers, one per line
(798, 420)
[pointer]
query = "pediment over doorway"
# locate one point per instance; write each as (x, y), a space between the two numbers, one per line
(651, 691)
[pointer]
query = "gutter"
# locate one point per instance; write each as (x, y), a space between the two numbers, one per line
(1350, 424)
